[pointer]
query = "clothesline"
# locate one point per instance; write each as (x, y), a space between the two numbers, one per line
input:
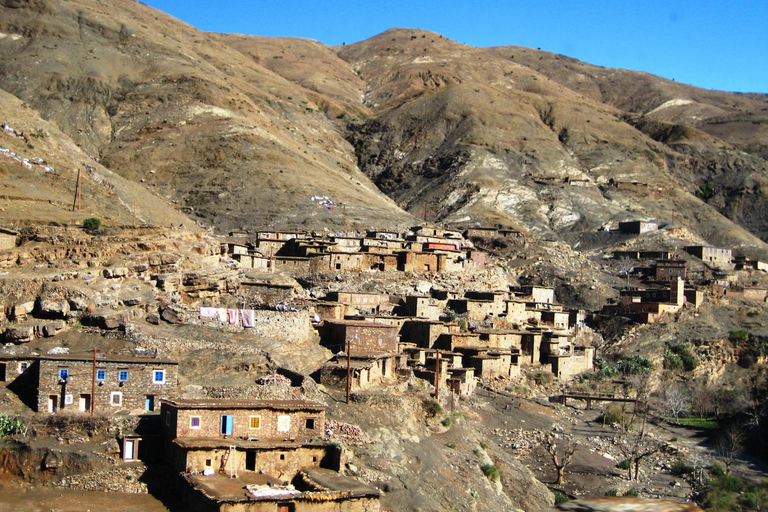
(244, 317)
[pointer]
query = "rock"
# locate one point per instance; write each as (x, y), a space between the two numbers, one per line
(174, 315)
(153, 318)
(57, 308)
(22, 309)
(19, 334)
(132, 301)
(112, 446)
(78, 303)
(51, 460)
(49, 330)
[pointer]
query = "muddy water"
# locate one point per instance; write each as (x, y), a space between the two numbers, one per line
(23, 498)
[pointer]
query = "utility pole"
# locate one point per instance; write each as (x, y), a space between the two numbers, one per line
(343, 215)
(437, 376)
(349, 366)
(93, 381)
(425, 213)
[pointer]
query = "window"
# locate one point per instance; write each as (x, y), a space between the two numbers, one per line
(116, 398)
(63, 374)
(122, 376)
(158, 377)
(68, 400)
(283, 423)
(282, 456)
(101, 375)
(194, 422)
(226, 424)
(310, 423)
(23, 367)
(254, 422)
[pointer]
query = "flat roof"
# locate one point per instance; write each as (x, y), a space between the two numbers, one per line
(207, 443)
(89, 359)
(282, 405)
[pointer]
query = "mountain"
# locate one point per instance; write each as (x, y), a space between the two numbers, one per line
(243, 131)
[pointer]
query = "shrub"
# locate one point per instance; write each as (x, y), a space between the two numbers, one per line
(631, 492)
(491, 472)
(672, 361)
(92, 223)
(623, 464)
(727, 483)
(612, 492)
(716, 469)
(540, 378)
(483, 445)
(739, 336)
(561, 498)
(447, 422)
(613, 415)
(680, 468)
(10, 425)
(451, 445)
(432, 408)
(630, 365)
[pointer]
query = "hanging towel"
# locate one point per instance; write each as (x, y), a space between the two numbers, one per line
(234, 316)
(208, 313)
(249, 319)
(222, 314)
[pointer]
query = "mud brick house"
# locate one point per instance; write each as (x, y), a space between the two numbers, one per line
(258, 455)
(666, 270)
(712, 256)
(364, 336)
(572, 362)
(538, 294)
(425, 333)
(359, 300)
(67, 383)
(646, 306)
(637, 227)
(367, 369)
(413, 261)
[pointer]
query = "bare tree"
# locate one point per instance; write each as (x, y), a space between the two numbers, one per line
(561, 455)
(625, 265)
(729, 443)
(676, 400)
(634, 449)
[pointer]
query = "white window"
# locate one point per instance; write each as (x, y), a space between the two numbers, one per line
(283, 423)
(158, 377)
(68, 400)
(23, 367)
(116, 399)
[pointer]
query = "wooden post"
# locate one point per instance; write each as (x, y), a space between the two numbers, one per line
(93, 381)
(349, 367)
(76, 203)
(437, 377)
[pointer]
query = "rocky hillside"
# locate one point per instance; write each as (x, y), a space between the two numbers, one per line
(250, 132)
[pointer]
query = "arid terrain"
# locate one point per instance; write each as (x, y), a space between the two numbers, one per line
(440, 184)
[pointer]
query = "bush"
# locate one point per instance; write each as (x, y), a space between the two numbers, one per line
(92, 223)
(451, 445)
(540, 378)
(631, 493)
(727, 483)
(680, 356)
(612, 492)
(561, 498)
(716, 469)
(613, 415)
(739, 336)
(10, 425)
(681, 468)
(432, 408)
(630, 365)
(483, 445)
(491, 472)
(447, 422)
(623, 464)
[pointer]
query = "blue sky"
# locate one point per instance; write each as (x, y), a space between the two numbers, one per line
(708, 43)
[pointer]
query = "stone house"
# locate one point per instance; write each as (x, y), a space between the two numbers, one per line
(712, 256)
(425, 333)
(59, 383)
(637, 227)
(538, 294)
(423, 306)
(573, 362)
(363, 336)
(367, 369)
(667, 270)
(412, 261)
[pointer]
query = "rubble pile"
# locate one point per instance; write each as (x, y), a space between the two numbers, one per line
(351, 435)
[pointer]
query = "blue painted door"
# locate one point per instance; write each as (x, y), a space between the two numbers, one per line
(226, 424)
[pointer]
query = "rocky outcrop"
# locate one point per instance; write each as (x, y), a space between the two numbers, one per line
(626, 504)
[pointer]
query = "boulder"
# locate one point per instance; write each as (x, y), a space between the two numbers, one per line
(19, 334)
(55, 308)
(22, 309)
(174, 315)
(131, 301)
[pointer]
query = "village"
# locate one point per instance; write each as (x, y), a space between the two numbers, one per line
(234, 453)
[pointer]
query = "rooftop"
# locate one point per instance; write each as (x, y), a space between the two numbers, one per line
(281, 405)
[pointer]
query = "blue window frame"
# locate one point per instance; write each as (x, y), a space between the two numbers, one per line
(101, 375)
(63, 373)
(122, 376)
(158, 377)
